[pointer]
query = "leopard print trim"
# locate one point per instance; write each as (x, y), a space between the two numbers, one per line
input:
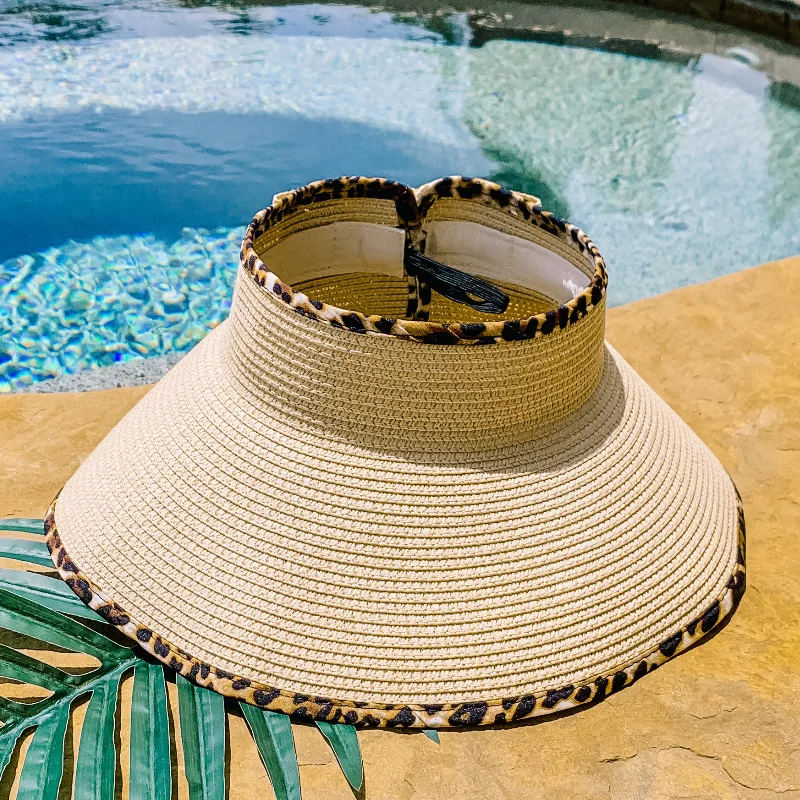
(389, 715)
(411, 209)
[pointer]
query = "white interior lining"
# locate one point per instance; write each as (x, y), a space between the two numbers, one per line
(337, 248)
(479, 250)
(341, 247)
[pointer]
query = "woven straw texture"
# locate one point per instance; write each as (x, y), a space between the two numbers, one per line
(383, 521)
(384, 295)
(320, 565)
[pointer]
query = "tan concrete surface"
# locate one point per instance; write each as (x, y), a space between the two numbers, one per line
(776, 19)
(721, 721)
(628, 26)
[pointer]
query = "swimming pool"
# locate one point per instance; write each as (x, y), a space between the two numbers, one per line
(136, 139)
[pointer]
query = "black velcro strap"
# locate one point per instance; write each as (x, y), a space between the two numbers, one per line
(454, 284)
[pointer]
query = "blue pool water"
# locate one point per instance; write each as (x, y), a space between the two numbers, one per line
(137, 139)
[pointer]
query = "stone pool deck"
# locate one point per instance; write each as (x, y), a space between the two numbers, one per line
(780, 18)
(721, 721)
(619, 26)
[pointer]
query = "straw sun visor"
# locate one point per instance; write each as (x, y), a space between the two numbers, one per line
(337, 510)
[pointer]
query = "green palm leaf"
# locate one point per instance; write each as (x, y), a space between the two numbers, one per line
(41, 775)
(49, 716)
(35, 606)
(94, 773)
(202, 715)
(344, 743)
(26, 550)
(43, 590)
(43, 608)
(23, 525)
(273, 736)
(151, 777)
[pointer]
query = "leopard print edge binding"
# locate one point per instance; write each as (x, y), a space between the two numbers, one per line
(303, 707)
(411, 209)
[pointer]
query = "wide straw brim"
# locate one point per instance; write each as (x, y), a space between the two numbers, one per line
(316, 576)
